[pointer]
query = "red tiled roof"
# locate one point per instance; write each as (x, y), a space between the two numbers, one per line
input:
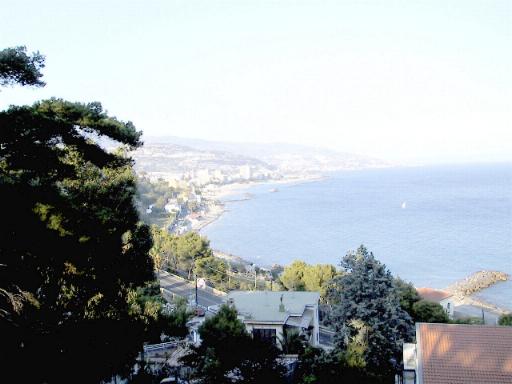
(431, 294)
(464, 354)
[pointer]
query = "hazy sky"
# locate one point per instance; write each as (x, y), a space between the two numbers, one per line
(402, 80)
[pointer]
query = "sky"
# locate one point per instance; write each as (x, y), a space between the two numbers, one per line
(409, 81)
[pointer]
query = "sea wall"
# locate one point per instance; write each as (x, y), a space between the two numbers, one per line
(476, 282)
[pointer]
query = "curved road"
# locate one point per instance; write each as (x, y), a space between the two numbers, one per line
(186, 289)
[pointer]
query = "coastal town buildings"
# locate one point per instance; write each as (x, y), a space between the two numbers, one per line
(172, 206)
(267, 315)
(458, 354)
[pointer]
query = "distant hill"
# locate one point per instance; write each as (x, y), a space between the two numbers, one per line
(285, 157)
(168, 157)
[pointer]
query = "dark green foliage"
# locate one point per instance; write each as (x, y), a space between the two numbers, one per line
(407, 293)
(365, 299)
(157, 195)
(213, 269)
(427, 312)
(163, 251)
(299, 276)
(420, 310)
(468, 320)
(148, 306)
(292, 342)
(174, 324)
(190, 248)
(316, 366)
(179, 253)
(505, 320)
(292, 276)
(16, 67)
(73, 246)
(229, 354)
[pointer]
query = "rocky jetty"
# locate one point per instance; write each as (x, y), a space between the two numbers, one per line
(476, 282)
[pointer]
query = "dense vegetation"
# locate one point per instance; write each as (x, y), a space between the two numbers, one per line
(179, 253)
(370, 325)
(299, 276)
(16, 67)
(74, 256)
(228, 354)
(190, 255)
(505, 320)
(366, 313)
(78, 295)
(155, 195)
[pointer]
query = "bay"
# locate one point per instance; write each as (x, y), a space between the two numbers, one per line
(430, 225)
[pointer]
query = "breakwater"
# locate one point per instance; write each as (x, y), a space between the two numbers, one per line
(476, 282)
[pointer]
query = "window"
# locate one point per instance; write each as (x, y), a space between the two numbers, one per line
(265, 334)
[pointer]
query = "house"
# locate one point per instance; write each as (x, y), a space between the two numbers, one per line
(172, 206)
(267, 314)
(438, 296)
(458, 354)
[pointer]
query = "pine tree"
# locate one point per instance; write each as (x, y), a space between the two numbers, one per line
(366, 293)
(71, 243)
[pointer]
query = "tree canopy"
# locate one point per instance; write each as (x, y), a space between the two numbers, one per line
(366, 300)
(408, 295)
(428, 312)
(505, 320)
(18, 67)
(300, 276)
(228, 354)
(179, 252)
(73, 246)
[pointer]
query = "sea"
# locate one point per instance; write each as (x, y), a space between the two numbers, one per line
(430, 225)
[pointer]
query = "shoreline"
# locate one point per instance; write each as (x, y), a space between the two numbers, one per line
(464, 291)
(230, 189)
(218, 207)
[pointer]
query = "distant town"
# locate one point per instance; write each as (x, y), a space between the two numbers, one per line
(199, 172)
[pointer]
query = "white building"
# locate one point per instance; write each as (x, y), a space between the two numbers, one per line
(203, 177)
(172, 206)
(219, 176)
(245, 172)
(266, 314)
(438, 296)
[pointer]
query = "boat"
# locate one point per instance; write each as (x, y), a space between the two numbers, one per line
(404, 204)
(273, 190)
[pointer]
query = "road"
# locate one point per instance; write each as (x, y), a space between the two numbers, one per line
(183, 288)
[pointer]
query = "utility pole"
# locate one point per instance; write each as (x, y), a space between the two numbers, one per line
(255, 274)
(196, 288)
(229, 276)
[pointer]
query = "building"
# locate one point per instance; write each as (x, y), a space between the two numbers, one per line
(172, 206)
(459, 354)
(267, 314)
(438, 296)
(245, 172)
(202, 177)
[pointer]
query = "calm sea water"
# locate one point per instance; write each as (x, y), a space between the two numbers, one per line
(430, 225)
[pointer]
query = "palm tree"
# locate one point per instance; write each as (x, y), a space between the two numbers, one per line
(292, 341)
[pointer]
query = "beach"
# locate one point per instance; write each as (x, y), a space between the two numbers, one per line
(218, 195)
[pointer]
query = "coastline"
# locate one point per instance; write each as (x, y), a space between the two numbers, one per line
(464, 291)
(230, 189)
(217, 206)
(218, 198)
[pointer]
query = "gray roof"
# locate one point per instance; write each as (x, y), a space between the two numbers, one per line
(263, 306)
